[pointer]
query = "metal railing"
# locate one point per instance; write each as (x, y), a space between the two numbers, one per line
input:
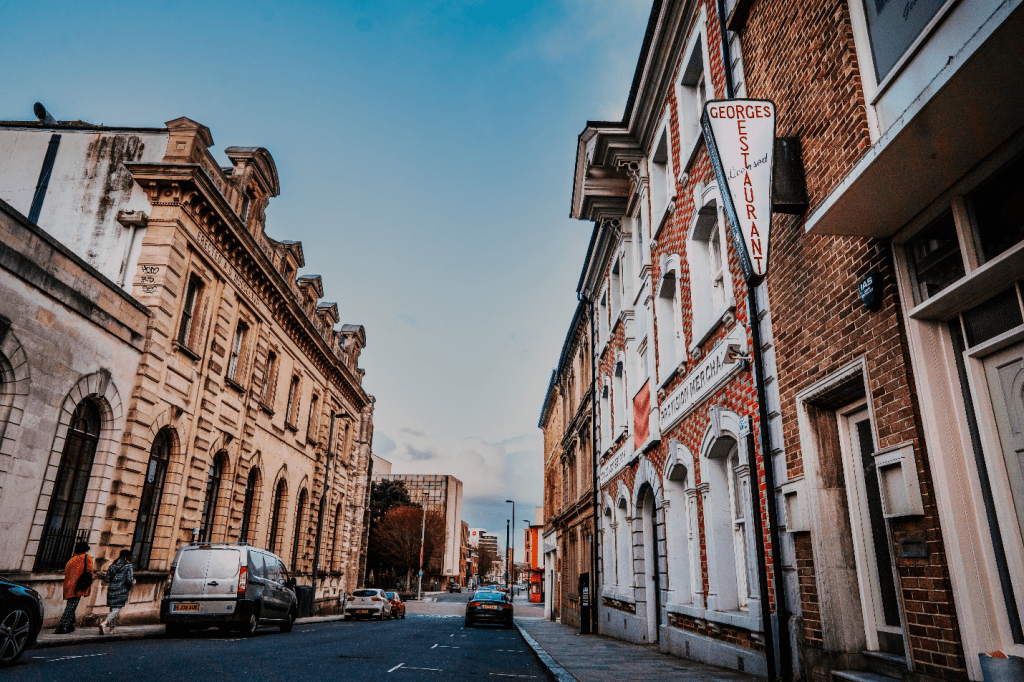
(55, 548)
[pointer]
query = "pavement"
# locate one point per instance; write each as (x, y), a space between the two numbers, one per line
(569, 657)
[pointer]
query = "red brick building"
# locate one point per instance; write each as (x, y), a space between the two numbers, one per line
(892, 423)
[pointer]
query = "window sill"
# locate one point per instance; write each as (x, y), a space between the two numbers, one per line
(610, 593)
(739, 619)
(728, 313)
(311, 441)
(234, 384)
(185, 350)
(291, 427)
(266, 408)
(679, 370)
(686, 610)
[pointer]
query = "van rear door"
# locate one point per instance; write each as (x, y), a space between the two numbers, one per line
(208, 577)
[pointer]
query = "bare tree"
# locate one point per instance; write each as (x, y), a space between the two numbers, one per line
(398, 540)
(486, 561)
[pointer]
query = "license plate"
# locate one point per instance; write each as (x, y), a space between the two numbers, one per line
(364, 611)
(488, 606)
(185, 608)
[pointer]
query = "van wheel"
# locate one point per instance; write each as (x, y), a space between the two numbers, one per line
(288, 622)
(249, 627)
(381, 616)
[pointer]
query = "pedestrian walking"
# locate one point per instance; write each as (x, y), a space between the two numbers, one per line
(120, 576)
(77, 584)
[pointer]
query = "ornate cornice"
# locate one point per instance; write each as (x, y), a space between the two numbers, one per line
(189, 188)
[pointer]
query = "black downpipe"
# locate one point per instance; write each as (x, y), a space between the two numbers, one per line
(594, 553)
(781, 610)
(762, 570)
(785, 652)
(44, 178)
(1010, 601)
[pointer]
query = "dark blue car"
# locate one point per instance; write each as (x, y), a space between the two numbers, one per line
(21, 618)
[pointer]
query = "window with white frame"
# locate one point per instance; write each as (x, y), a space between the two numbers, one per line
(615, 288)
(642, 350)
(620, 416)
(710, 282)
(661, 178)
(671, 346)
(679, 534)
(641, 239)
(695, 88)
(608, 556)
(603, 318)
(624, 546)
(606, 415)
(725, 521)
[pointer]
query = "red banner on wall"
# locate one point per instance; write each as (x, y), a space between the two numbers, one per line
(642, 416)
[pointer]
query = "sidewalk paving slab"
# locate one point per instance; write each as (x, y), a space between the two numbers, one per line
(569, 656)
(90, 634)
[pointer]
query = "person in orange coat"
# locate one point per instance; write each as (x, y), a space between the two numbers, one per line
(76, 585)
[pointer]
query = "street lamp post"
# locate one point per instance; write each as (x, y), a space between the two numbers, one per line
(423, 535)
(323, 500)
(510, 558)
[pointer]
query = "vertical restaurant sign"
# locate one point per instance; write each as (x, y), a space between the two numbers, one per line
(740, 135)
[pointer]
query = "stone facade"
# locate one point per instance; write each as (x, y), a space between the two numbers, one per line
(245, 371)
(70, 339)
(567, 422)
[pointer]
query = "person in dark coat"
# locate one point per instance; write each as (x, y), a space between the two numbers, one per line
(120, 576)
(79, 566)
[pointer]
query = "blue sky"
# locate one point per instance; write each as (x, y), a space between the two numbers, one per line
(425, 151)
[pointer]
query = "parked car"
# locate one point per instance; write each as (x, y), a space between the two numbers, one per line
(397, 605)
(21, 618)
(368, 603)
(230, 586)
(454, 586)
(489, 606)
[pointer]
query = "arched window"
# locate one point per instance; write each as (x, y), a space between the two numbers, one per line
(610, 567)
(60, 532)
(300, 511)
(149, 500)
(213, 481)
(624, 546)
(335, 562)
(680, 531)
(725, 527)
(251, 485)
(274, 539)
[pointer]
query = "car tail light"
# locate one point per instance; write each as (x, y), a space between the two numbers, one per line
(376, 599)
(474, 604)
(170, 582)
(243, 579)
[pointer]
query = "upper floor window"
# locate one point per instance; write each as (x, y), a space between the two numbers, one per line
(710, 284)
(292, 407)
(671, 348)
(606, 415)
(619, 418)
(187, 327)
(663, 185)
(694, 90)
(602, 317)
(237, 344)
(615, 288)
(269, 380)
(248, 199)
(314, 414)
(894, 27)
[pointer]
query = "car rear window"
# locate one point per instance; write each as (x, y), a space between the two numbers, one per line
(389, 595)
(192, 564)
(223, 564)
(488, 596)
(365, 593)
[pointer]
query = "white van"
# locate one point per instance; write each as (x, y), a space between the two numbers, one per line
(230, 586)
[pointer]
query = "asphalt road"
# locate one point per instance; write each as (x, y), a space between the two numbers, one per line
(421, 648)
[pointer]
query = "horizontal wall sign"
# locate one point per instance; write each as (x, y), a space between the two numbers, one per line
(740, 136)
(615, 464)
(698, 384)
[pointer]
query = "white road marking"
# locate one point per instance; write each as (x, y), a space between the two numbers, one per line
(434, 647)
(396, 667)
(436, 670)
(68, 658)
(445, 646)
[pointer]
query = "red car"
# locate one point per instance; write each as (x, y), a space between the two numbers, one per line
(397, 605)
